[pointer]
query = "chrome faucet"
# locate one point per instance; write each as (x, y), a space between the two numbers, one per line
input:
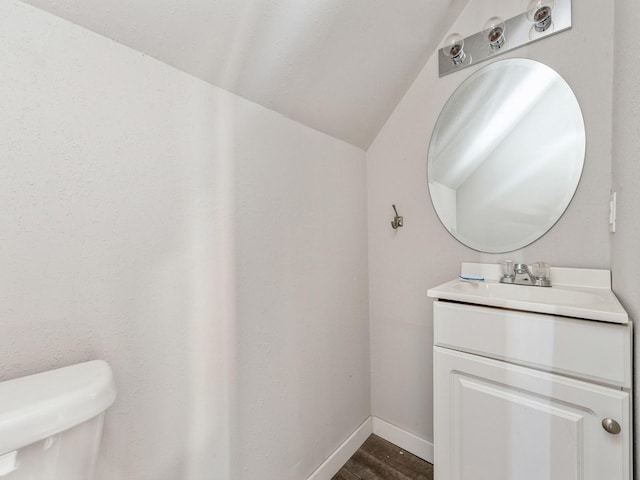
(521, 274)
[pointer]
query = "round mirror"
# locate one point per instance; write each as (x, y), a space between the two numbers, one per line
(506, 155)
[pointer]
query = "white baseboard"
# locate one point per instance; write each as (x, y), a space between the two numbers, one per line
(339, 457)
(410, 442)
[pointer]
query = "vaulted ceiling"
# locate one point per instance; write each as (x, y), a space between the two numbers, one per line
(338, 66)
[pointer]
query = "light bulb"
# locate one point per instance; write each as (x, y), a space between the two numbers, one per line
(539, 12)
(493, 32)
(454, 48)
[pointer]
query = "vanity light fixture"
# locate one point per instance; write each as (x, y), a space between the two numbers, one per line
(541, 19)
(454, 48)
(493, 32)
(539, 13)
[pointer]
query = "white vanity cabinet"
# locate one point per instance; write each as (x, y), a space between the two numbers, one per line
(530, 396)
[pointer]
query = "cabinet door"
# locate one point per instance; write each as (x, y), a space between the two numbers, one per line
(497, 421)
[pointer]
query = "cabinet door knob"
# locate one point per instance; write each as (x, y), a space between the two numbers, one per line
(611, 426)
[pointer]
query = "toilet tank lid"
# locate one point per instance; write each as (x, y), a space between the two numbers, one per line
(37, 406)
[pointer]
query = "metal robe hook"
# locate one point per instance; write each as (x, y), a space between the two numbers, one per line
(397, 220)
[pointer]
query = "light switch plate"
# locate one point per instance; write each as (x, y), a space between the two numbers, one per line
(612, 212)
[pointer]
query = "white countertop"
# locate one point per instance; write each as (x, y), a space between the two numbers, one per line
(576, 292)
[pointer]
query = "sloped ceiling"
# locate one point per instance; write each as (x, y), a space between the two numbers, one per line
(338, 66)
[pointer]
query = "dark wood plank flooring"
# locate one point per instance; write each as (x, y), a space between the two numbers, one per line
(378, 459)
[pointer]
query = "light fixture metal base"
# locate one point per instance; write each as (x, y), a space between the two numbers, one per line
(519, 31)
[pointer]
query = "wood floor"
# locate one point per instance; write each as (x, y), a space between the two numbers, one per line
(378, 459)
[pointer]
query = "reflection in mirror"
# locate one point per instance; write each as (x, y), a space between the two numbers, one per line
(506, 155)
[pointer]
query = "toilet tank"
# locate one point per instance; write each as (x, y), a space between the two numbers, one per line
(51, 422)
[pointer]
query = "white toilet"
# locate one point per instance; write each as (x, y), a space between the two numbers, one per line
(51, 422)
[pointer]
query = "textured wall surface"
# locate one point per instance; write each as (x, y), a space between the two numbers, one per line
(338, 67)
(302, 296)
(403, 264)
(625, 254)
(212, 251)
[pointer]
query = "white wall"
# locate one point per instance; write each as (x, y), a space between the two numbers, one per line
(625, 254)
(302, 295)
(403, 264)
(212, 251)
